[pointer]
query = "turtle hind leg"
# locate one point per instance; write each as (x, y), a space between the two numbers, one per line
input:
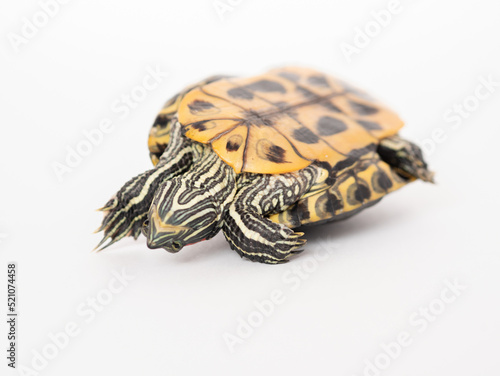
(127, 210)
(405, 157)
(246, 226)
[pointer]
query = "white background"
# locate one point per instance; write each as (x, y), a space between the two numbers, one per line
(382, 265)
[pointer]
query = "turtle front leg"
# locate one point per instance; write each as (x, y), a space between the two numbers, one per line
(127, 210)
(247, 229)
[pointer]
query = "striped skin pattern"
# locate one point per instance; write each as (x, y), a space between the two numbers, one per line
(255, 211)
(197, 200)
(170, 153)
(128, 209)
(247, 230)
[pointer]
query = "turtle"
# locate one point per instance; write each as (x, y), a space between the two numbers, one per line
(258, 157)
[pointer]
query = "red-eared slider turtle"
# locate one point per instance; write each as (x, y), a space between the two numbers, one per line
(256, 157)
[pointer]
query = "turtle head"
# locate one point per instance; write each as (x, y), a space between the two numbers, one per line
(181, 214)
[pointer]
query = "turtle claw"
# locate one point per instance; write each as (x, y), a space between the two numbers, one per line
(296, 252)
(98, 247)
(99, 229)
(292, 253)
(288, 246)
(111, 204)
(123, 214)
(120, 226)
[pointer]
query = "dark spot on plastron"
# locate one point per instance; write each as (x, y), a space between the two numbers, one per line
(369, 125)
(305, 135)
(328, 126)
(266, 86)
(276, 154)
(358, 193)
(334, 203)
(240, 93)
(328, 204)
(363, 109)
(303, 210)
(198, 105)
(363, 193)
(320, 206)
(234, 142)
(271, 152)
(200, 125)
(162, 120)
(318, 81)
(381, 182)
(289, 76)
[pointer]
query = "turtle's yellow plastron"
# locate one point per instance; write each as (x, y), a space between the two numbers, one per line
(284, 120)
